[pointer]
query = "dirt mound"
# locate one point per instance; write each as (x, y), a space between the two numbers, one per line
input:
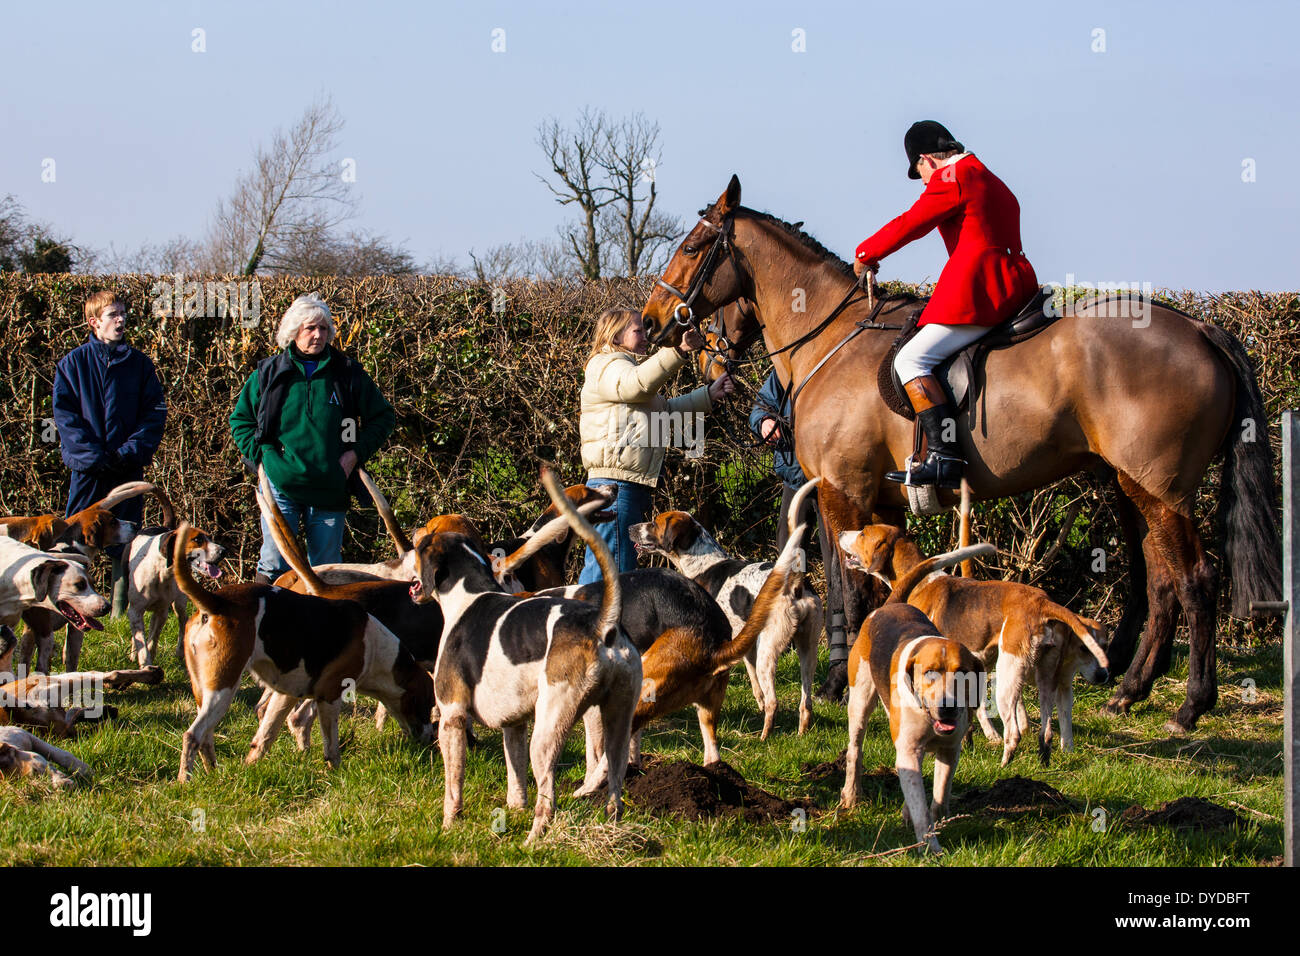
(1185, 813)
(826, 780)
(683, 789)
(1013, 796)
(822, 772)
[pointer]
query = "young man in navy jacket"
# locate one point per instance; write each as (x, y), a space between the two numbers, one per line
(110, 411)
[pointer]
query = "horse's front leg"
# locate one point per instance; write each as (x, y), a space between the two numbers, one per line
(854, 592)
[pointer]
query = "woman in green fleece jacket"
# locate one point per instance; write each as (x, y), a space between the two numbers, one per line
(312, 416)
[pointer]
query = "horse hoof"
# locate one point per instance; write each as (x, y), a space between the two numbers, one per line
(1174, 729)
(1115, 707)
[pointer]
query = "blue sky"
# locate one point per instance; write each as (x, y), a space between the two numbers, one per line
(1127, 162)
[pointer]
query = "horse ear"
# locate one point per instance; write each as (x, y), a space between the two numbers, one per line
(731, 198)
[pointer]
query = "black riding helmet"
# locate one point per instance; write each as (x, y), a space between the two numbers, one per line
(927, 136)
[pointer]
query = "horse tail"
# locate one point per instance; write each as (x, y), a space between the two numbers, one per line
(1246, 516)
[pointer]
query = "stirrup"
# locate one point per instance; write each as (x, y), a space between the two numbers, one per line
(936, 471)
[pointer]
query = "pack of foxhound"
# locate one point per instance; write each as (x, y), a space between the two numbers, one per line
(458, 630)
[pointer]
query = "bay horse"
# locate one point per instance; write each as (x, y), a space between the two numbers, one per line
(1146, 400)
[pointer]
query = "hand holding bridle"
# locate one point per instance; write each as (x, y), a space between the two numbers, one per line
(721, 386)
(692, 340)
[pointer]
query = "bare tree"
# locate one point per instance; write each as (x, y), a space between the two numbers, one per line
(353, 254)
(575, 161)
(607, 169)
(630, 156)
(531, 258)
(179, 254)
(291, 199)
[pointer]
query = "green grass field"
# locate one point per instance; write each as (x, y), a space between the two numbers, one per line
(383, 807)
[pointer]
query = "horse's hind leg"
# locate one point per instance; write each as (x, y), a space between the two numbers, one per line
(1178, 574)
(1199, 594)
(1161, 599)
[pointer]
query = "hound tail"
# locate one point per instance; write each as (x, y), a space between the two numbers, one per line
(785, 575)
(165, 504)
(550, 532)
(284, 538)
(210, 602)
(124, 492)
(1071, 620)
(611, 600)
(904, 585)
(400, 539)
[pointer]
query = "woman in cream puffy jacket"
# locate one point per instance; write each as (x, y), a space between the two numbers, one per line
(626, 426)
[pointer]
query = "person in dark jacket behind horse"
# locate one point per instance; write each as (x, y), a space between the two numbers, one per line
(771, 408)
(110, 412)
(987, 280)
(311, 416)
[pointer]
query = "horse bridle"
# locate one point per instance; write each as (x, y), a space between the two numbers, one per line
(683, 315)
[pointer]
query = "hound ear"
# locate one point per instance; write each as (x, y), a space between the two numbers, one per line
(43, 578)
(8, 758)
(169, 548)
(883, 556)
(731, 198)
(668, 537)
(906, 686)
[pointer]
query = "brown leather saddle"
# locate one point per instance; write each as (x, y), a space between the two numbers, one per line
(958, 373)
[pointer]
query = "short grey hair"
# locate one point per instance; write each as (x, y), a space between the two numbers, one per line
(304, 309)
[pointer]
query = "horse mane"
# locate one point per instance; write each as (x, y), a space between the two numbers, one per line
(806, 240)
(810, 243)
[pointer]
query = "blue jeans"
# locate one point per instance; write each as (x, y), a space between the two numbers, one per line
(631, 507)
(324, 535)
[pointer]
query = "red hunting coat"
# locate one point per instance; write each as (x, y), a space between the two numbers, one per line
(987, 278)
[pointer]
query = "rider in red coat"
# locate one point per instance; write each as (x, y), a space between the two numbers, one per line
(987, 278)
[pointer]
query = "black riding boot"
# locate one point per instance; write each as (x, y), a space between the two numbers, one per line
(943, 466)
